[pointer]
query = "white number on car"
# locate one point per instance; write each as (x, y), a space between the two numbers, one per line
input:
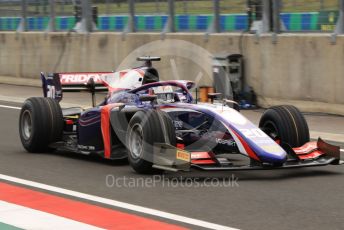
(253, 133)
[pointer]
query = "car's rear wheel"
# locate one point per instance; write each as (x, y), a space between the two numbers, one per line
(285, 124)
(40, 124)
(146, 128)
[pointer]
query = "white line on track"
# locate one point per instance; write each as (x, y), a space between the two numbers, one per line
(9, 107)
(119, 204)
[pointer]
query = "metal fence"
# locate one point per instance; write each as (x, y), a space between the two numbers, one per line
(314, 16)
(172, 15)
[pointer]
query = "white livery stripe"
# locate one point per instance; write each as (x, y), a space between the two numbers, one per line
(27, 218)
(237, 141)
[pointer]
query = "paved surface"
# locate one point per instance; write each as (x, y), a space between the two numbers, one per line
(309, 198)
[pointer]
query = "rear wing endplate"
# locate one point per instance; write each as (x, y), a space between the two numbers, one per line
(54, 84)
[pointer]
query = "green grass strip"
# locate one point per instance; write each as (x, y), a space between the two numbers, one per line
(4, 226)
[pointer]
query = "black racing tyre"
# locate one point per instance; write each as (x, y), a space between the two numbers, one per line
(146, 128)
(286, 124)
(40, 124)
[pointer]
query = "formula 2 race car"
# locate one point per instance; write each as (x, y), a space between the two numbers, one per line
(159, 126)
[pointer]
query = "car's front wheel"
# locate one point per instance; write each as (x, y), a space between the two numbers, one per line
(285, 124)
(145, 129)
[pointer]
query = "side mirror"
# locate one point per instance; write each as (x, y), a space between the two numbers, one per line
(232, 104)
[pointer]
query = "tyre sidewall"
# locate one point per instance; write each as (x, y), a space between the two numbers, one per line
(46, 123)
(152, 123)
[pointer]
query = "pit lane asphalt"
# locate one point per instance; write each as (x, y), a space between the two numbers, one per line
(309, 198)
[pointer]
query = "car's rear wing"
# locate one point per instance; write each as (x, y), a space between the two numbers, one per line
(54, 84)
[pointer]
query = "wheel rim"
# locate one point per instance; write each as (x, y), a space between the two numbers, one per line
(26, 125)
(136, 141)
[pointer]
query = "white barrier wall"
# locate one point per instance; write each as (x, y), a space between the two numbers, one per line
(301, 69)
